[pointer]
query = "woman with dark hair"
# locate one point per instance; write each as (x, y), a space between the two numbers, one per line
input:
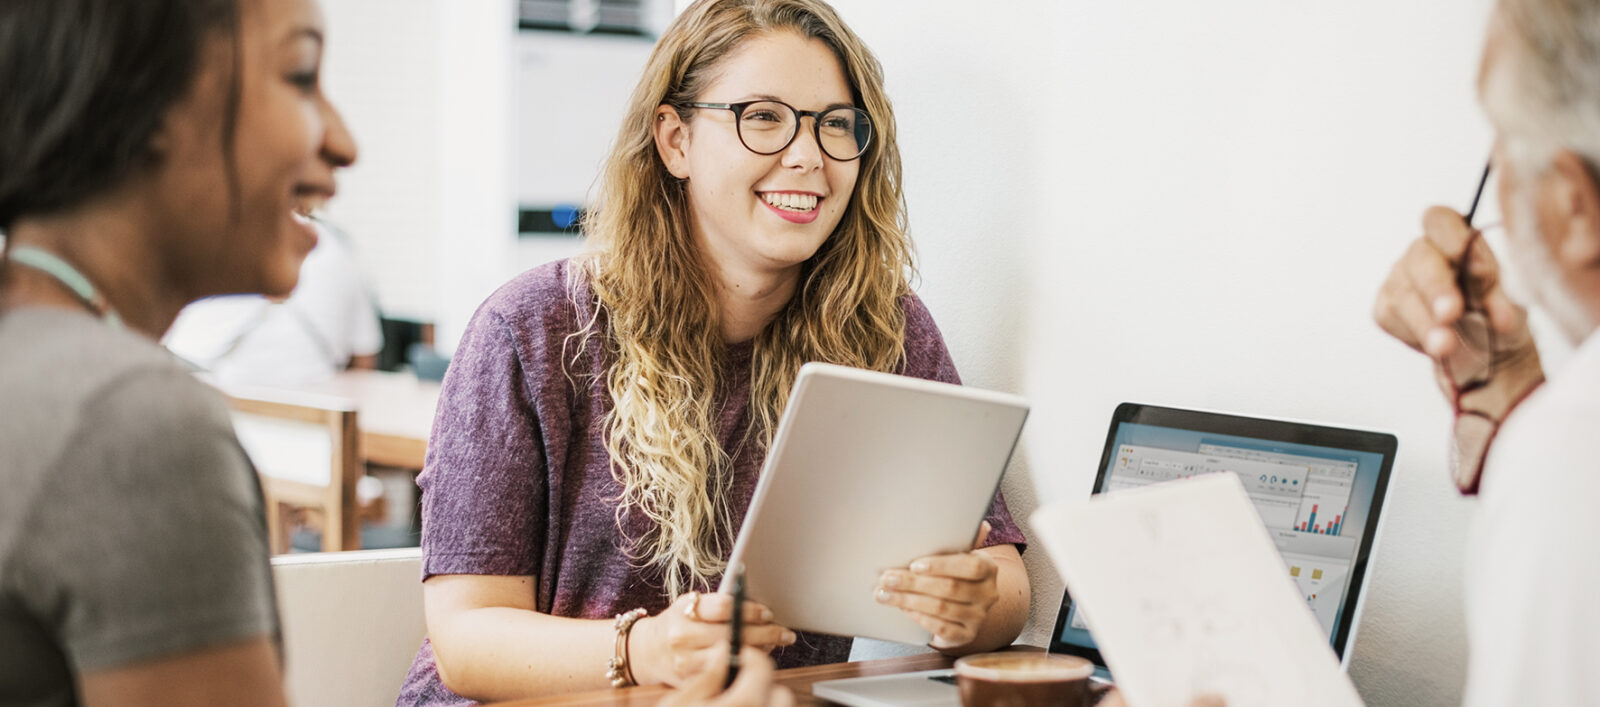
(151, 153)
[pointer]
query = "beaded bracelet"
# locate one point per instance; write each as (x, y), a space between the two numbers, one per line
(618, 671)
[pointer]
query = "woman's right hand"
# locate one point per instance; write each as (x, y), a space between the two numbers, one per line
(753, 688)
(682, 640)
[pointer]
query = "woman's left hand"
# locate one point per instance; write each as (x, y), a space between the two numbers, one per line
(949, 595)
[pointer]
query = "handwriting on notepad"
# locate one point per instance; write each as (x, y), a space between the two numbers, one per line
(1189, 596)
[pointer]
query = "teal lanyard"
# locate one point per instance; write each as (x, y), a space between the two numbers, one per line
(52, 265)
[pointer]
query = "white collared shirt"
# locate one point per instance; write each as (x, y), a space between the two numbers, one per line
(1533, 563)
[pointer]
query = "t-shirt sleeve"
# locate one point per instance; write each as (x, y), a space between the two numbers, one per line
(148, 538)
(484, 485)
(927, 357)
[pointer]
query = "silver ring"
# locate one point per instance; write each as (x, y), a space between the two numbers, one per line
(693, 609)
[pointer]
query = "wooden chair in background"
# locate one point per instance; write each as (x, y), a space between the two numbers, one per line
(306, 450)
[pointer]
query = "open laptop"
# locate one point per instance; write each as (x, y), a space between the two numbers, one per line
(1319, 491)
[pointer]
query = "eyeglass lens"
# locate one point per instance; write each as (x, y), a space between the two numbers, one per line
(1470, 445)
(1468, 365)
(767, 127)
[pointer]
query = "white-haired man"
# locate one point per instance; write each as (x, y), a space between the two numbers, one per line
(1533, 563)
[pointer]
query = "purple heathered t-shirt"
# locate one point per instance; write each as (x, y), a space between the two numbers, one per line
(517, 481)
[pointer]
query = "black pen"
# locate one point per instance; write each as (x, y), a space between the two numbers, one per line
(1463, 273)
(737, 621)
(1478, 195)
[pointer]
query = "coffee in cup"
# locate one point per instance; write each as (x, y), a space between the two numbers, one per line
(1016, 679)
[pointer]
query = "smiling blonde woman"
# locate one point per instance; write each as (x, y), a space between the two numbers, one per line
(604, 422)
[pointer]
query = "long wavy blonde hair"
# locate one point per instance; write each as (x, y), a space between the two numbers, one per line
(660, 321)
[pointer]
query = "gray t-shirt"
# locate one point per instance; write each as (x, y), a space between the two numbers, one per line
(131, 523)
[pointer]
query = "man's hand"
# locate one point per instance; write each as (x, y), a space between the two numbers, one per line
(1421, 303)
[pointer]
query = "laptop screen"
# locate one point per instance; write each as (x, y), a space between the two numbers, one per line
(1318, 490)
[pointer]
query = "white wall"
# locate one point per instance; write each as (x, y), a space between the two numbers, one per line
(475, 226)
(452, 114)
(1193, 204)
(379, 70)
(427, 87)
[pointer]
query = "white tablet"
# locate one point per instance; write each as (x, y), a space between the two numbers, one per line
(869, 471)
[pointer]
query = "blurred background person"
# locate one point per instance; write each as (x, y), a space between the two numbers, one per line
(328, 324)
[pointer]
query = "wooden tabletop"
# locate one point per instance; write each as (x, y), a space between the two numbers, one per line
(394, 412)
(797, 679)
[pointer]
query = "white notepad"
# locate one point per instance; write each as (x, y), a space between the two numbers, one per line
(1186, 594)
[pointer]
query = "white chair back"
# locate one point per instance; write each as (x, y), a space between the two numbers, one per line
(352, 623)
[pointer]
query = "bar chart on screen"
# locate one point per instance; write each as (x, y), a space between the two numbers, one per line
(1325, 501)
(1322, 489)
(1328, 526)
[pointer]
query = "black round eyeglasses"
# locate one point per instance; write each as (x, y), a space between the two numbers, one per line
(767, 127)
